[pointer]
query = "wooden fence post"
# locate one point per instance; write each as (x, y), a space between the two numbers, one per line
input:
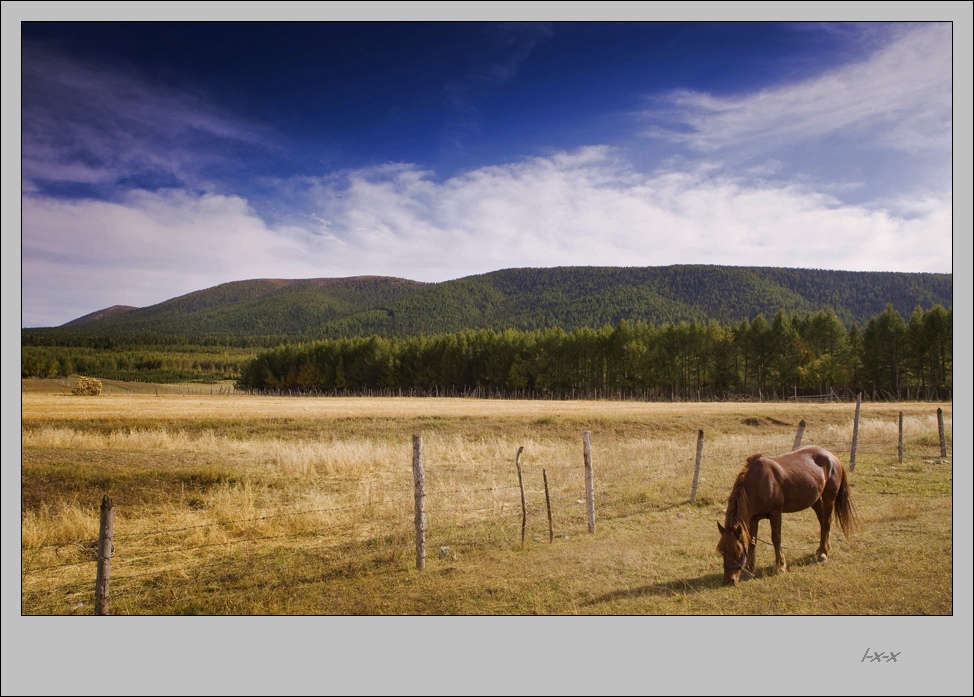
(899, 447)
(855, 433)
(940, 428)
(520, 481)
(547, 501)
(419, 494)
(696, 466)
(589, 486)
(105, 550)
(799, 435)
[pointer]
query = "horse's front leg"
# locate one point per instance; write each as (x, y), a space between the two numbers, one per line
(752, 545)
(824, 514)
(779, 560)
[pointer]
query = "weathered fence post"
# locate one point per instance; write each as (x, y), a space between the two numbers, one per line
(547, 502)
(855, 433)
(696, 466)
(940, 428)
(520, 481)
(589, 487)
(799, 435)
(899, 447)
(105, 550)
(419, 494)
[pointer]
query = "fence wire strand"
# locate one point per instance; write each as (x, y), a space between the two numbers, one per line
(395, 546)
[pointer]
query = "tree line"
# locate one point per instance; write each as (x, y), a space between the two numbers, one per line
(134, 362)
(789, 355)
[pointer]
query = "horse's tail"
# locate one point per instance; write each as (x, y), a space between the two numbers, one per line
(844, 512)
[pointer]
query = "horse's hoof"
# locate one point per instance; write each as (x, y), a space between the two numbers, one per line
(783, 568)
(821, 558)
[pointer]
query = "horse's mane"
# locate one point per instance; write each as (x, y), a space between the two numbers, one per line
(737, 508)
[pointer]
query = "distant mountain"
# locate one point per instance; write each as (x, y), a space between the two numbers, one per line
(100, 314)
(257, 307)
(525, 298)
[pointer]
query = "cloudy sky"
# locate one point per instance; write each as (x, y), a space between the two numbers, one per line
(162, 158)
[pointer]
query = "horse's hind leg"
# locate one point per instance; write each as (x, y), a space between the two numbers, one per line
(824, 514)
(779, 561)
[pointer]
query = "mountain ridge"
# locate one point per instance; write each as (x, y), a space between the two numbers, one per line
(99, 314)
(521, 298)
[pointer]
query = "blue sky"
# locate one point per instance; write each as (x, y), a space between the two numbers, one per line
(166, 157)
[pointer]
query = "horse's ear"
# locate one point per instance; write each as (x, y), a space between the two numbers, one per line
(721, 528)
(739, 531)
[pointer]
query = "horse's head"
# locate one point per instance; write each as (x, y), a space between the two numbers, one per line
(733, 547)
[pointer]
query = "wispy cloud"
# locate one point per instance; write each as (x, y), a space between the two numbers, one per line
(899, 97)
(93, 124)
(512, 45)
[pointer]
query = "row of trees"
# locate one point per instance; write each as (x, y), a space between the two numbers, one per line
(812, 354)
(146, 364)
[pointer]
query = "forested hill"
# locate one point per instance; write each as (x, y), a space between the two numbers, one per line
(527, 299)
(261, 307)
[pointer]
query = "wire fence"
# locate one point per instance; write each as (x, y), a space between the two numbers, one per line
(456, 519)
(311, 545)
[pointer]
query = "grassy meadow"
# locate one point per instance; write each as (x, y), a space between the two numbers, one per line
(226, 504)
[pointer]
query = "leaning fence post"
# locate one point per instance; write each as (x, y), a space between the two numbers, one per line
(696, 467)
(855, 433)
(547, 502)
(520, 481)
(105, 550)
(589, 488)
(940, 427)
(899, 447)
(420, 496)
(799, 435)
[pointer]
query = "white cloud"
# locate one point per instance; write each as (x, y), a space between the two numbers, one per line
(583, 208)
(899, 97)
(591, 208)
(586, 208)
(82, 256)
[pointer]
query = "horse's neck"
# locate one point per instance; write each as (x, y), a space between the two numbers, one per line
(737, 507)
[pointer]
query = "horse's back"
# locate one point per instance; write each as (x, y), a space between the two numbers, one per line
(805, 473)
(815, 451)
(811, 455)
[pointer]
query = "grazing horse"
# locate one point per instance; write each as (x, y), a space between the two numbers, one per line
(809, 477)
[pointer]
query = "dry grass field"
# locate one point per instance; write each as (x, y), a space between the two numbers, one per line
(238, 505)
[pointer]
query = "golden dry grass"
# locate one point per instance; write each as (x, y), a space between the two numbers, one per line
(265, 505)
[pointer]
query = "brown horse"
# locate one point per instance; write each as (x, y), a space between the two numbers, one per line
(810, 477)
